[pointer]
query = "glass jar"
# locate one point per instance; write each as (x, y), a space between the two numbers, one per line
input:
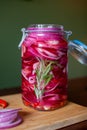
(44, 66)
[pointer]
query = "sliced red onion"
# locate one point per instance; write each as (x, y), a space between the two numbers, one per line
(10, 125)
(9, 110)
(9, 118)
(46, 56)
(48, 53)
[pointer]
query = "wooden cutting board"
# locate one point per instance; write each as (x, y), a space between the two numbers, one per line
(46, 120)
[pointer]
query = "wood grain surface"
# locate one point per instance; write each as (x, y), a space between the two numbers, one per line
(46, 120)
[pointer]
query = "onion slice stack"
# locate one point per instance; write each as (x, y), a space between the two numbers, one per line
(9, 118)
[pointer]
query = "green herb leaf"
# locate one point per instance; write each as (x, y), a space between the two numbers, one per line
(47, 80)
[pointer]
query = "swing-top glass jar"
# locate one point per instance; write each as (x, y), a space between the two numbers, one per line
(44, 66)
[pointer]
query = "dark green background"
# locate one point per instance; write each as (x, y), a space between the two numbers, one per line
(16, 14)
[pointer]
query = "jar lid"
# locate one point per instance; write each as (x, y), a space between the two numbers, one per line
(79, 50)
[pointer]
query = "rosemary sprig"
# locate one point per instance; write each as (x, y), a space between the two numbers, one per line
(43, 77)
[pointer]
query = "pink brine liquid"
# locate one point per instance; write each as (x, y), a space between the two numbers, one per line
(44, 68)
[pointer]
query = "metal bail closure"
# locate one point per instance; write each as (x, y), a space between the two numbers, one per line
(23, 37)
(78, 50)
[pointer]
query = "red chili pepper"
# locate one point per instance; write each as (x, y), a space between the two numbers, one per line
(3, 103)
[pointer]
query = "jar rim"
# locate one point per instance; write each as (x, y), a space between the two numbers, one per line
(45, 27)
